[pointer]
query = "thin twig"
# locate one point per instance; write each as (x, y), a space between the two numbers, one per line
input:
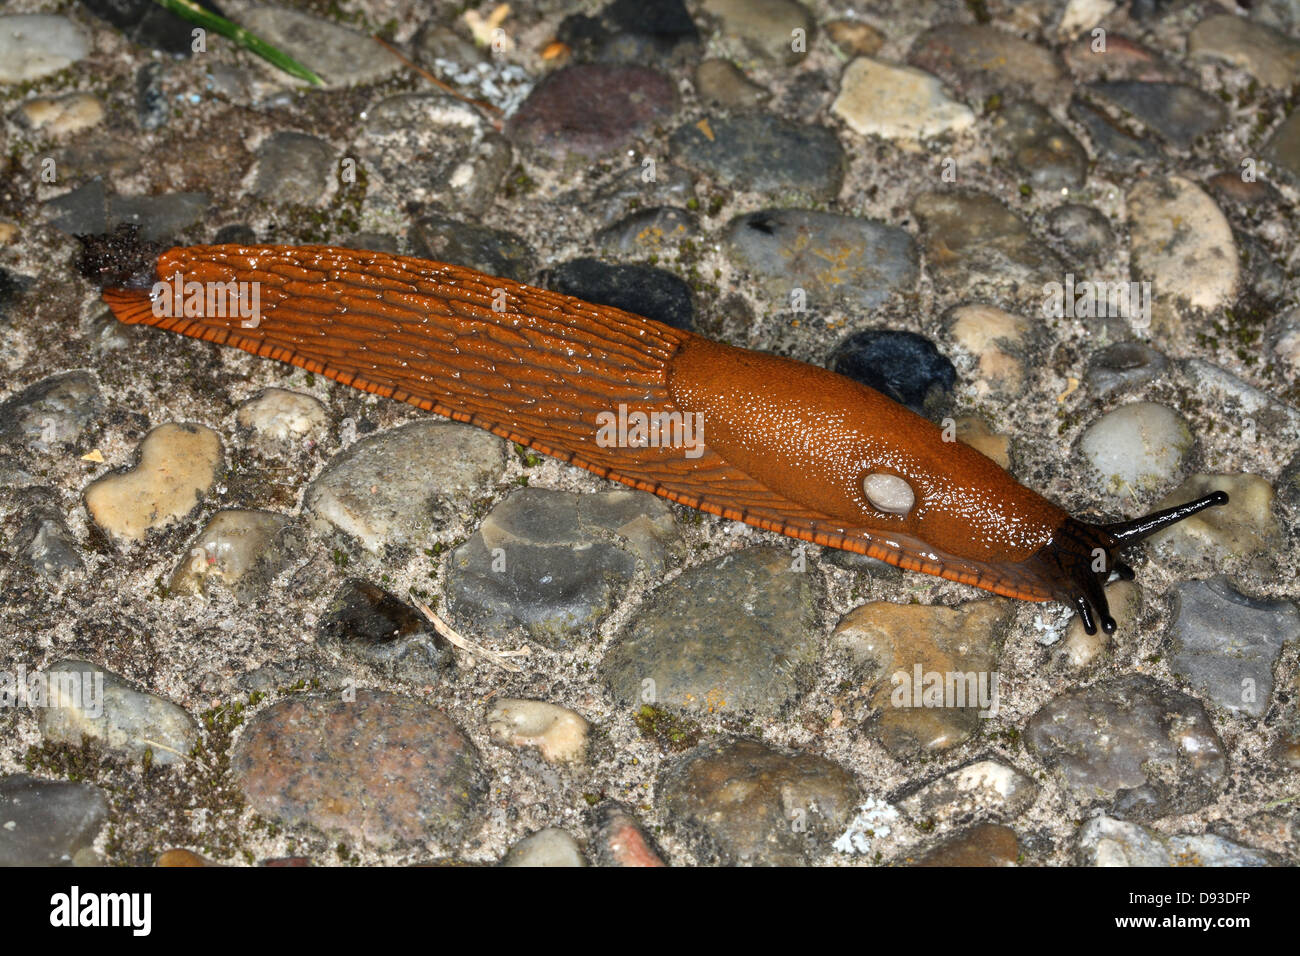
(464, 643)
(494, 112)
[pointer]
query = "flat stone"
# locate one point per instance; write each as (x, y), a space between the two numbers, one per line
(904, 366)
(559, 734)
(736, 635)
(549, 847)
(1248, 403)
(979, 60)
(62, 115)
(52, 414)
(1136, 448)
(1039, 148)
(294, 168)
(431, 148)
(175, 468)
(239, 549)
(982, 790)
(147, 24)
(721, 83)
(592, 109)
(1241, 529)
(1271, 57)
(36, 45)
(555, 563)
(901, 646)
(629, 191)
(1106, 841)
(742, 802)
(897, 102)
(494, 251)
(47, 822)
(370, 624)
(840, 262)
(278, 414)
(1133, 744)
(1178, 113)
(985, 844)
(339, 56)
(762, 30)
(382, 770)
(87, 700)
(763, 153)
(642, 290)
(1124, 366)
(395, 488)
(1226, 644)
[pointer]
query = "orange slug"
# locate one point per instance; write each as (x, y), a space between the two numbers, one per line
(750, 436)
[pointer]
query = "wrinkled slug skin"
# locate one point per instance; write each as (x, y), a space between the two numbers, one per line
(786, 445)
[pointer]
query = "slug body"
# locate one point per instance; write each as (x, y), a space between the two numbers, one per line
(746, 435)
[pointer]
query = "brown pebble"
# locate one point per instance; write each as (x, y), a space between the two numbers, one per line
(987, 844)
(854, 38)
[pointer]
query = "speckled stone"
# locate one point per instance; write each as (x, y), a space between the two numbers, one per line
(897, 102)
(591, 109)
(901, 645)
(558, 733)
(239, 549)
(1038, 148)
(380, 770)
(1241, 529)
(742, 802)
(763, 153)
(277, 414)
(430, 148)
(1178, 113)
(1106, 841)
(761, 30)
(370, 624)
(736, 635)
(47, 822)
(1133, 744)
(1136, 448)
(176, 466)
(51, 414)
(838, 261)
(1271, 57)
(982, 790)
(293, 168)
(339, 56)
(35, 45)
(549, 847)
(494, 251)
(555, 563)
(978, 60)
(396, 487)
(1226, 644)
(985, 844)
(997, 340)
(88, 700)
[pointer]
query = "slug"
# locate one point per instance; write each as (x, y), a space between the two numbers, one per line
(747, 435)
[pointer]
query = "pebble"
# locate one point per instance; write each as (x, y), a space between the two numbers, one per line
(1178, 113)
(48, 822)
(1039, 148)
(494, 251)
(904, 366)
(1271, 57)
(1286, 341)
(721, 83)
(436, 41)
(1136, 448)
(1080, 15)
(985, 844)
(377, 627)
(559, 734)
(557, 563)
(981, 790)
(549, 847)
(978, 248)
(87, 700)
(175, 469)
(1249, 404)
(1083, 231)
(1226, 644)
(634, 31)
(736, 635)
(381, 770)
(649, 233)
(44, 542)
(854, 37)
(840, 262)
(620, 839)
(1132, 743)
(897, 102)
(979, 60)
(36, 45)
(592, 109)
(278, 414)
(997, 339)
(901, 645)
(631, 190)
(974, 431)
(642, 290)
(339, 56)
(1122, 59)
(294, 168)
(62, 115)
(738, 802)
(430, 148)
(1283, 147)
(158, 217)
(239, 549)
(1123, 367)
(1078, 649)
(396, 488)
(1106, 841)
(1241, 529)
(182, 857)
(761, 31)
(1110, 141)
(372, 242)
(763, 153)
(51, 414)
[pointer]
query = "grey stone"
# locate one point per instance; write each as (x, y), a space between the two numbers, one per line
(47, 822)
(1042, 150)
(764, 153)
(293, 168)
(1179, 113)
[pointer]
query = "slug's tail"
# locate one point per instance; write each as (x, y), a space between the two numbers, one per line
(1082, 556)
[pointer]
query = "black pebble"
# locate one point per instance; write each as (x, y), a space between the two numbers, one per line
(902, 365)
(642, 290)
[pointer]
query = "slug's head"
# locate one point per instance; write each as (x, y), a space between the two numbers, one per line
(1081, 558)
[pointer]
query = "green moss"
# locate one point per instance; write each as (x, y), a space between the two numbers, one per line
(671, 731)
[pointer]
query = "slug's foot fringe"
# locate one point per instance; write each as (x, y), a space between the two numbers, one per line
(1079, 560)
